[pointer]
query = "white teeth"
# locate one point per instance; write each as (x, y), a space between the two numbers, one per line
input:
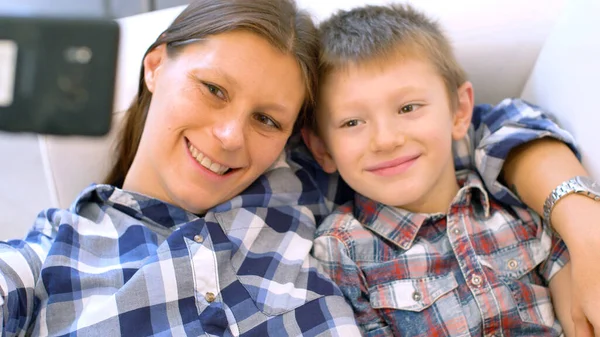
(206, 162)
(215, 167)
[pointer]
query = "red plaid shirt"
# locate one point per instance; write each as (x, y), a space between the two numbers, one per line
(481, 269)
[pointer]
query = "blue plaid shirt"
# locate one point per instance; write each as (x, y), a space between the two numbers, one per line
(120, 263)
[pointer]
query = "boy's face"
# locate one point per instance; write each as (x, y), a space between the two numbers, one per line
(388, 129)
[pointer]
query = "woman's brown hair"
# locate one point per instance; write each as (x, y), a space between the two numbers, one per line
(278, 21)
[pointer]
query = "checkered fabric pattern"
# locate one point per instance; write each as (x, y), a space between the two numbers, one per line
(480, 269)
(119, 263)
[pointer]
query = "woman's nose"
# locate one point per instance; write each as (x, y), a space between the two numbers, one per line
(230, 133)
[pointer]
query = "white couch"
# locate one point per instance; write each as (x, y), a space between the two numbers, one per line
(498, 42)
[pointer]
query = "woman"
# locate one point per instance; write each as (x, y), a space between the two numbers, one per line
(203, 228)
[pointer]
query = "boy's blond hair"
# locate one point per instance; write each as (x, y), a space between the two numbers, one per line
(380, 33)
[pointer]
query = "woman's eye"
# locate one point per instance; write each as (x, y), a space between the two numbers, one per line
(266, 120)
(351, 123)
(409, 108)
(213, 89)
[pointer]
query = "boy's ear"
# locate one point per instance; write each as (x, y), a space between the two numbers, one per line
(152, 63)
(464, 111)
(318, 149)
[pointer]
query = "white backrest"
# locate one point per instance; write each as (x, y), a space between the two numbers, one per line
(497, 42)
(566, 77)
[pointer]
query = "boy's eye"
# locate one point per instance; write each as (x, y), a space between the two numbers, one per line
(408, 108)
(213, 89)
(351, 123)
(266, 120)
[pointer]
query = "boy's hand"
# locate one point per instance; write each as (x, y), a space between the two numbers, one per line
(579, 220)
(586, 294)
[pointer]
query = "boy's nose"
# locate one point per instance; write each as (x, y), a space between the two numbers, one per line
(386, 138)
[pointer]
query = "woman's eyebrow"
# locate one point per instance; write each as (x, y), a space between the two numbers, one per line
(197, 71)
(276, 107)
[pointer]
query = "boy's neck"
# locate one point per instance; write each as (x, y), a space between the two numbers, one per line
(439, 198)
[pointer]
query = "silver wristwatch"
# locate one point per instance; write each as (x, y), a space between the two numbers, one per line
(581, 185)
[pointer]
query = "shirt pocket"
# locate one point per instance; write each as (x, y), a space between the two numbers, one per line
(415, 306)
(277, 279)
(516, 267)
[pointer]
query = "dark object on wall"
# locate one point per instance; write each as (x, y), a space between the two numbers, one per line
(57, 75)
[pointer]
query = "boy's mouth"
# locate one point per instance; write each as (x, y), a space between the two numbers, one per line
(393, 163)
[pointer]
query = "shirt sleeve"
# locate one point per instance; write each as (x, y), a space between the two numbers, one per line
(558, 257)
(20, 265)
(334, 257)
(495, 131)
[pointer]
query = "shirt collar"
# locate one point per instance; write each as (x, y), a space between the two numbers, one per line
(472, 194)
(396, 225)
(136, 205)
(400, 227)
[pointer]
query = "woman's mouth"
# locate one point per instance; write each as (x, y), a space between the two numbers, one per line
(203, 160)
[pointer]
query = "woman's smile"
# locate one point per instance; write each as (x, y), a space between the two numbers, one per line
(206, 161)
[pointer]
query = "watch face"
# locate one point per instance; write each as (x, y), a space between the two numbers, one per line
(590, 185)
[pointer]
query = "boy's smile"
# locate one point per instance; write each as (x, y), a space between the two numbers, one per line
(394, 166)
(388, 127)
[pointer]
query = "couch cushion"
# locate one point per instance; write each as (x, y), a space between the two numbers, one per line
(566, 77)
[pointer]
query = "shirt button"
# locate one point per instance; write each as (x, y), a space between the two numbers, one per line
(417, 296)
(456, 231)
(476, 280)
(209, 297)
(198, 238)
(512, 264)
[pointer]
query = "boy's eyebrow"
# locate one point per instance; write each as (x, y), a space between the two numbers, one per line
(408, 89)
(360, 103)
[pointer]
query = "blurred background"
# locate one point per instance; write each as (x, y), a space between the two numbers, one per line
(86, 8)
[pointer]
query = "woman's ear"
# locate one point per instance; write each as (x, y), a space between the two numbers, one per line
(319, 150)
(464, 111)
(152, 63)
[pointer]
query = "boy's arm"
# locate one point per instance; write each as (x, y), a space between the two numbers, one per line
(334, 258)
(555, 271)
(560, 290)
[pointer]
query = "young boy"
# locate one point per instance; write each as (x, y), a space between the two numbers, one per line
(423, 250)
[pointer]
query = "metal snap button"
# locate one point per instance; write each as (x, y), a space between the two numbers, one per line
(476, 280)
(198, 238)
(512, 264)
(209, 297)
(456, 231)
(417, 296)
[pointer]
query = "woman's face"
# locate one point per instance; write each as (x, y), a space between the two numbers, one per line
(221, 112)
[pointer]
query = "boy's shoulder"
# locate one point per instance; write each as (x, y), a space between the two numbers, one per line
(342, 224)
